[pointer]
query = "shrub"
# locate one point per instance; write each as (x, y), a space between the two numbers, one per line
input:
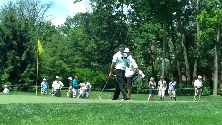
(205, 91)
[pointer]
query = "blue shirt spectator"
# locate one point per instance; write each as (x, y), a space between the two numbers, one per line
(172, 85)
(75, 84)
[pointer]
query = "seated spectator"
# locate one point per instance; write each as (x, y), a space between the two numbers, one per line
(5, 89)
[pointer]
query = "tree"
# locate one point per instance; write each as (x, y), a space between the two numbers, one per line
(18, 27)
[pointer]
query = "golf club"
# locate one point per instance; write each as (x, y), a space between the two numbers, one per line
(103, 88)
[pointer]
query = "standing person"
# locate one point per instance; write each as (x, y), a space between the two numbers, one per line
(57, 86)
(69, 91)
(88, 87)
(75, 86)
(44, 87)
(130, 71)
(151, 85)
(198, 88)
(119, 61)
(162, 88)
(172, 89)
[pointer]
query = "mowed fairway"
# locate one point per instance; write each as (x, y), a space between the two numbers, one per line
(27, 109)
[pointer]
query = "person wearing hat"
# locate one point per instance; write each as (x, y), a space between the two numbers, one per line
(5, 89)
(119, 61)
(198, 88)
(130, 71)
(161, 88)
(57, 86)
(69, 92)
(44, 87)
(172, 89)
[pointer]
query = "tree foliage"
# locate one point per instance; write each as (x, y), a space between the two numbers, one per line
(85, 43)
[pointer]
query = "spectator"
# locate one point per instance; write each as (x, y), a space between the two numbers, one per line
(82, 90)
(75, 86)
(88, 87)
(69, 92)
(172, 89)
(161, 88)
(44, 87)
(5, 89)
(198, 88)
(151, 85)
(57, 86)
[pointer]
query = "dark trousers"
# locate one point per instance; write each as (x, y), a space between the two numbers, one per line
(120, 74)
(58, 93)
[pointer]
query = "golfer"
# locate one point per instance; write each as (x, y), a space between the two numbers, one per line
(172, 89)
(130, 71)
(161, 88)
(198, 88)
(44, 87)
(119, 61)
(57, 86)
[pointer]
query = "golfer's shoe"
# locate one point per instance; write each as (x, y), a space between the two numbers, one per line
(127, 99)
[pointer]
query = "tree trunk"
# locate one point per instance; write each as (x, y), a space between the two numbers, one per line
(179, 72)
(177, 62)
(186, 59)
(164, 47)
(216, 65)
(198, 41)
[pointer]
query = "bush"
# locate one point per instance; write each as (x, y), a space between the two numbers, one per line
(205, 91)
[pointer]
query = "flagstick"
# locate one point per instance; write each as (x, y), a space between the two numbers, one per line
(37, 75)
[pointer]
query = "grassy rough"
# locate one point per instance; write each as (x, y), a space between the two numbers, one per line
(27, 109)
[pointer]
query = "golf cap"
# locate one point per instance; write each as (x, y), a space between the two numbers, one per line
(5, 85)
(126, 50)
(70, 78)
(199, 77)
(44, 79)
(57, 77)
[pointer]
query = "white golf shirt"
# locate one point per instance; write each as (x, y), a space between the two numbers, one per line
(57, 84)
(88, 86)
(132, 69)
(198, 83)
(5, 90)
(162, 85)
(120, 60)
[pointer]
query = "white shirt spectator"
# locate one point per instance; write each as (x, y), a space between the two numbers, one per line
(162, 85)
(120, 60)
(57, 84)
(88, 85)
(5, 90)
(198, 83)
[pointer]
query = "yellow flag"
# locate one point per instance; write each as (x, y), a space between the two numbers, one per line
(40, 49)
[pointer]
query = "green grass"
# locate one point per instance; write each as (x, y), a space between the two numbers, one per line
(19, 108)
